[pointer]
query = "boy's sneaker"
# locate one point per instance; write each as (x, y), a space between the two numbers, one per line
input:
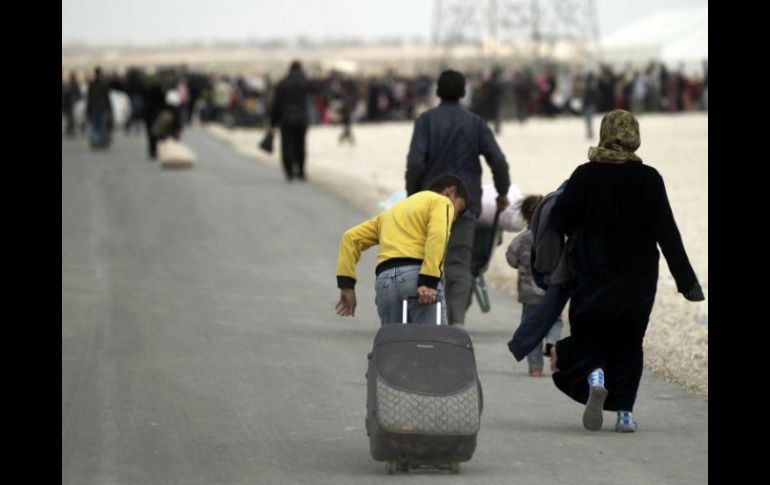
(592, 416)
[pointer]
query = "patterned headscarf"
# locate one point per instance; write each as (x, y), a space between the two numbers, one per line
(618, 139)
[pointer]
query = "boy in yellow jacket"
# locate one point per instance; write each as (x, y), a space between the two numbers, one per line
(413, 236)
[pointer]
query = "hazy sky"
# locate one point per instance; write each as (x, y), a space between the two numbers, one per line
(143, 22)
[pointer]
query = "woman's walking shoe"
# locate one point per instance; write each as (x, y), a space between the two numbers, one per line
(536, 372)
(625, 423)
(597, 394)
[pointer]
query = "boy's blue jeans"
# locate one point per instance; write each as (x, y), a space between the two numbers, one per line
(393, 286)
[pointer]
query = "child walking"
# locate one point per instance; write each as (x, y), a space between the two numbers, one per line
(529, 294)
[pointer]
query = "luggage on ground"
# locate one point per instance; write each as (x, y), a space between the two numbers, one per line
(424, 397)
(174, 154)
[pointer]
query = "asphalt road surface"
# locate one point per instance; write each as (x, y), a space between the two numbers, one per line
(200, 344)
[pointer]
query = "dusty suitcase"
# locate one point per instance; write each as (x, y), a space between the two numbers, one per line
(174, 154)
(424, 398)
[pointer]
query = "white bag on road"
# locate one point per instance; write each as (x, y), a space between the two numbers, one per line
(175, 154)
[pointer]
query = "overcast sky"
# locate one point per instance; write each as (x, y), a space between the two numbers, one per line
(147, 22)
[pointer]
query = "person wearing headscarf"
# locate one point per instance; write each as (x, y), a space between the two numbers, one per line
(619, 210)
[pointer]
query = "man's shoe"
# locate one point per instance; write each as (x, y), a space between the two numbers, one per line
(592, 416)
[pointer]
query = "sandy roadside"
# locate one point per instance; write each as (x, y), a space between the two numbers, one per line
(543, 153)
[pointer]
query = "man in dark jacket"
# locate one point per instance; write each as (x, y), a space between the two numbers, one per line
(591, 99)
(99, 110)
(154, 102)
(290, 112)
(449, 139)
(70, 96)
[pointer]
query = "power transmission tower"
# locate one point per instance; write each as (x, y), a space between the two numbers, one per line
(526, 28)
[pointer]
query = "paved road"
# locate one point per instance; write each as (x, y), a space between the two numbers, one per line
(200, 344)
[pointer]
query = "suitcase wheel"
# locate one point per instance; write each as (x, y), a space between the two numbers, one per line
(391, 467)
(454, 467)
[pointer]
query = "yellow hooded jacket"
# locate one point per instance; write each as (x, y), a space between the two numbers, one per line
(417, 228)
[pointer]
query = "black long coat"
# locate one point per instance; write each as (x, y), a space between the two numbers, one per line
(621, 213)
(291, 102)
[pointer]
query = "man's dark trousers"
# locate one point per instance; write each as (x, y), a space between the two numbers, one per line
(293, 150)
(457, 268)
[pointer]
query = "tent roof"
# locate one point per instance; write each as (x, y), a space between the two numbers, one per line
(673, 37)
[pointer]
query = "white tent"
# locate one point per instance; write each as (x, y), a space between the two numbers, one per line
(675, 37)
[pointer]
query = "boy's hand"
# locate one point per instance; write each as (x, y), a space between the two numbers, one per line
(426, 296)
(346, 307)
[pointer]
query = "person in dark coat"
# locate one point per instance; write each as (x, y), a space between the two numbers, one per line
(154, 102)
(99, 110)
(70, 96)
(290, 112)
(450, 139)
(348, 100)
(591, 99)
(495, 94)
(620, 210)
(133, 88)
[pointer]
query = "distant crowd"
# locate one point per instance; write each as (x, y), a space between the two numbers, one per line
(499, 94)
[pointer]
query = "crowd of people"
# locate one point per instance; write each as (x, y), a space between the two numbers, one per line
(341, 98)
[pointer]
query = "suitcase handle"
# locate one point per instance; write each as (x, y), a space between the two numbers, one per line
(404, 312)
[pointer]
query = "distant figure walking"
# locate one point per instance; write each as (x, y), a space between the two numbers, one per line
(348, 100)
(70, 96)
(154, 102)
(591, 98)
(290, 112)
(99, 111)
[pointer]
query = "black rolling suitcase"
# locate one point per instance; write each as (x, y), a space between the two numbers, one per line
(424, 398)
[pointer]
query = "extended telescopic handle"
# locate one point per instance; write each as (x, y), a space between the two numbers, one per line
(404, 312)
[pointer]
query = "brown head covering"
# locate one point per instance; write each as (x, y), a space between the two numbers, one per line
(618, 139)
